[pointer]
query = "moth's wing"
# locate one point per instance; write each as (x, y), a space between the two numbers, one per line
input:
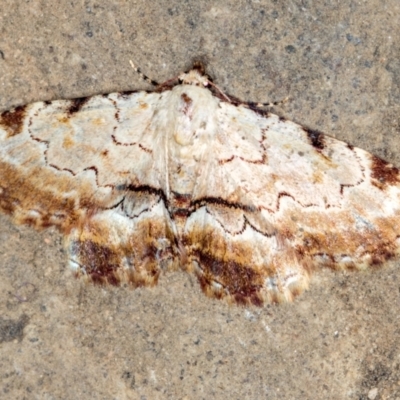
(86, 166)
(133, 242)
(280, 201)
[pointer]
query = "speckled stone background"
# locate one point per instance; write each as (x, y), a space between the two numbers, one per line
(62, 339)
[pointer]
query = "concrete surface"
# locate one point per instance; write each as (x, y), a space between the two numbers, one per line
(61, 339)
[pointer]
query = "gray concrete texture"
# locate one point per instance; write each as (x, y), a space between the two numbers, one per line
(63, 339)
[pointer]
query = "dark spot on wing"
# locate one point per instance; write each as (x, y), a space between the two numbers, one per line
(99, 262)
(316, 138)
(243, 283)
(383, 173)
(77, 104)
(13, 120)
(179, 205)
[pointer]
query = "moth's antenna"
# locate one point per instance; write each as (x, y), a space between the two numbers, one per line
(142, 75)
(275, 103)
(220, 91)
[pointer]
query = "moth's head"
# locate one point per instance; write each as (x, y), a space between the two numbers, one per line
(195, 76)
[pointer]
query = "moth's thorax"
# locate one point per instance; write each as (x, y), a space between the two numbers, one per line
(189, 131)
(192, 114)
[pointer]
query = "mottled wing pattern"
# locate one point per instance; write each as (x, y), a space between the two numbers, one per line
(144, 182)
(70, 164)
(292, 200)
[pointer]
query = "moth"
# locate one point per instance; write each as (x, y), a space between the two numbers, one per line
(185, 176)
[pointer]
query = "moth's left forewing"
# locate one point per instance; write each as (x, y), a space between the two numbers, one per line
(85, 166)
